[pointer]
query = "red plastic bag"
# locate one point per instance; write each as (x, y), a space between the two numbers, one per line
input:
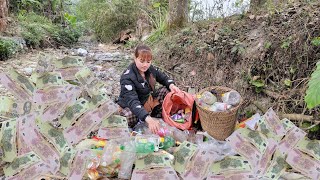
(173, 102)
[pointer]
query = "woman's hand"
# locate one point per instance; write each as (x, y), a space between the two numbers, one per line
(174, 88)
(153, 124)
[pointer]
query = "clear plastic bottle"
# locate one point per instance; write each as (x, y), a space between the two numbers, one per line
(141, 128)
(107, 155)
(177, 134)
(147, 147)
(163, 131)
(219, 106)
(167, 142)
(208, 98)
(231, 98)
(127, 158)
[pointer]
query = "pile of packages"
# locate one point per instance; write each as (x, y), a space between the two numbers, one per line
(169, 154)
(47, 115)
(209, 100)
(49, 122)
(270, 148)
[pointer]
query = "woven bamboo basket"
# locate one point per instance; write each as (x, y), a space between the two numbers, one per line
(218, 124)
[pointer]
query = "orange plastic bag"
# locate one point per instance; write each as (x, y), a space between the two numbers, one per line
(173, 102)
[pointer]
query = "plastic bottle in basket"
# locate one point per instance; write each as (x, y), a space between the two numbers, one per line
(231, 97)
(219, 106)
(208, 98)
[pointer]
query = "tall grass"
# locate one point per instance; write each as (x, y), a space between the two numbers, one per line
(108, 17)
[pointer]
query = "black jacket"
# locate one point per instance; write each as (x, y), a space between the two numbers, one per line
(135, 90)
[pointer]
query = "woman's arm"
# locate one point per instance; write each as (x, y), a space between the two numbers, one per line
(132, 99)
(161, 77)
(130, 94)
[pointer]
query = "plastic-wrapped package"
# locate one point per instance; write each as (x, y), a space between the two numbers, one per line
(221, 148)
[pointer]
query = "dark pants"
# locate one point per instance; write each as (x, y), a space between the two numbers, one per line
(156, 112)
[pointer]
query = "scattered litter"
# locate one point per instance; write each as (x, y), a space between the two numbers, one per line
(50, 120)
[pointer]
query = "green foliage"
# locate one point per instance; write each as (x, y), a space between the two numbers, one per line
(267, 44)
(308, 125)
(187, 31)
(258, 84)
(249, 113)
(238, 3)
(286, 44)
(71, 19)
(108, 17)
(316, 41)
(31, 3)
(35, 28)
(131, 44)
(158, 18)
(288, 82)
(7, 48)
(66, 36)
(238, 48)
(53, 9)
(225, 30)
(312, 97)
(39, 31)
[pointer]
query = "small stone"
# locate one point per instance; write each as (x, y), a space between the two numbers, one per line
(28, 71)
(210, 56)
(107, 57)
(216, 36)
(251, 16)
(82, 52)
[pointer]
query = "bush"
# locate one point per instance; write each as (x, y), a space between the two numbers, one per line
(7, 48)
(66, 36)
(39, 31)
(108, 18)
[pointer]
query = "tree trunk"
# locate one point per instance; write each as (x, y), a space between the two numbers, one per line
(143, 27)
(3, 15)
(178, 13)
(256, 4)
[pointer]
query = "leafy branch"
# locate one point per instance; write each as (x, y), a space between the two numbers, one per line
(312, 97)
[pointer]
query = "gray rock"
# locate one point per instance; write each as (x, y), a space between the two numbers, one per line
(116, 54)
(81, 52)
(91, 54)
(108, 57)
(28, 71)
(216, 36)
